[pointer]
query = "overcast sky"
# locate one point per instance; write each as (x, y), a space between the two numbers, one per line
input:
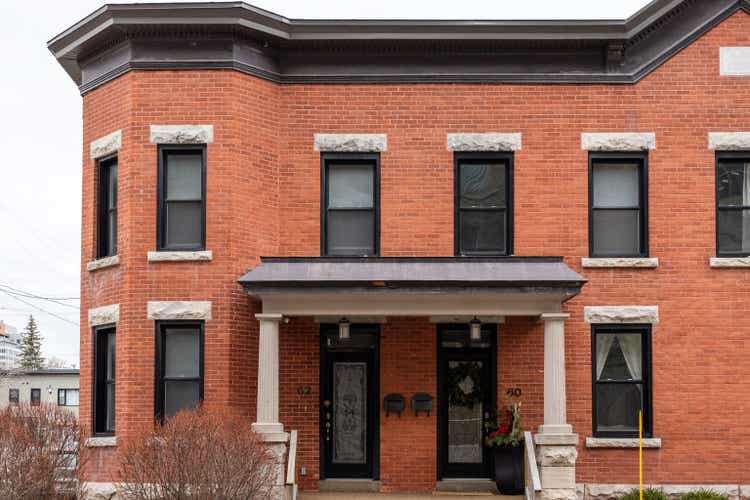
(40, 137)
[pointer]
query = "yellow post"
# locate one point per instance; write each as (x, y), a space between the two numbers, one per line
(640, 453)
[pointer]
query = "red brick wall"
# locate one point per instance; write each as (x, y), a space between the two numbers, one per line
(263, 199)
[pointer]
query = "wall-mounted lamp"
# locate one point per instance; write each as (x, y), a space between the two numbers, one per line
(344, 329)
(475, 329)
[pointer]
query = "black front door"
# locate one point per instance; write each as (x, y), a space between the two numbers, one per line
(349, 406)
(466, 400)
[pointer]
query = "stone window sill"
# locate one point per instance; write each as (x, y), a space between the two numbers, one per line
(103, 263)
(168, 256)
(592, 442)
(724, 262)
(101, 442)
(623, 262)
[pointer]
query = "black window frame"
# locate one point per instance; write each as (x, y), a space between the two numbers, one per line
(38, 401)
(14, 400)
(616, 157)
(101, 382)
(160, 330)
(327, 159)
(161, 212)
(103, 211)
(64, 392)
(724, 156)
(483, 157)
(646, 379)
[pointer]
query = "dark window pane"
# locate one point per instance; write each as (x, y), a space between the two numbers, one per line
(734, 183)
(618, 356)
(110, 356)
(36, 397)
(112, 230)
(60, 397)
(734, 231)
(351, 232)
(182, 353)
(184, 223)
(350, 186)
(110, 410)
(482, 231)
(617, 407)
(112, 187)
(13, 396)
(616, 185)
(482, 185)
(184, 176)
(180, 395)
(616, 232)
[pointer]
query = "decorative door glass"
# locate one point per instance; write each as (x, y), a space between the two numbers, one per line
(465, 412)
(349, 413)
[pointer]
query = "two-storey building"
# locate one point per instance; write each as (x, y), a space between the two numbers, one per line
(295, 219)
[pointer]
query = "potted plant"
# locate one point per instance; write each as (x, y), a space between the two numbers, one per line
(505, 438)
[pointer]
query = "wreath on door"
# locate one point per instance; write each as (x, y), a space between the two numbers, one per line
(464, 384)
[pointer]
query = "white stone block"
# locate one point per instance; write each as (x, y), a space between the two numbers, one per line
(102, 263)
(621, 314)
(557, 494)
(674, 491)
(99, 491)
(734, 61)
(608, 491)
(168, 256)
(104, 315)
(618, 141)
(744, 492)
(105, 146)
(592, 442)
(191, 310)
(729, 141)
(556, 455)
(101, 442)
(182, 134)
(622, 262)
(558, 477)
(730, 262)
(484, 142)
(580, 491)
(350, 143)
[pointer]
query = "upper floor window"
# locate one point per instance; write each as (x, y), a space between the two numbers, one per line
(67, 397)
(179, 366)
(350, 205)
(107, 213)
(733, 204)
(182, 193)
(618, 221)
(622, 379)
(483, 204)
(104, 380)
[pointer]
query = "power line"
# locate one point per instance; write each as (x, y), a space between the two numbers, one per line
(35, 296)
(14, 297)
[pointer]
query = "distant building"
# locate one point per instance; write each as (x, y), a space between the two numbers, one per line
(10, 347)
(53, 385)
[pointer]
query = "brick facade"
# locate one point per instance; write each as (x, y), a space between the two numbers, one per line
(263, 198)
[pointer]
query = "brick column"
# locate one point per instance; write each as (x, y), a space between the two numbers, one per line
(555, 444)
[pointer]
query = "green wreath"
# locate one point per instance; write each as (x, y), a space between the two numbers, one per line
(458, 374)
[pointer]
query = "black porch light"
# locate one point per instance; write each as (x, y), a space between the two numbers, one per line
(344, 329)
(475, 329)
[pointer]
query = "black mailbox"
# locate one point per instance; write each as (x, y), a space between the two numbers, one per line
(421, 401)
(393, 403)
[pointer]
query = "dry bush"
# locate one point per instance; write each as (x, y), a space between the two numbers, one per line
(196, 455)
(39, 452)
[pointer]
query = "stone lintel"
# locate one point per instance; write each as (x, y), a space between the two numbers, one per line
(632, 262)
(190, 310)
(729, 141)
(728, 262)
(592, 442)
(621, 314)
(103, 263)
(734, 61)
(350, 143)
(489, 142)
(104, 315)
(182, 134)
(170, 256)
(618, 141)
(107, 145)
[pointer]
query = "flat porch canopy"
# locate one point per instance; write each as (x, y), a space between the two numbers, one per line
(412, 286)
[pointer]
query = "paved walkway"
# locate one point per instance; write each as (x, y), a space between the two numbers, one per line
(405, 496)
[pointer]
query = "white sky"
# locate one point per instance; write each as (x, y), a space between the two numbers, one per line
(40, 135)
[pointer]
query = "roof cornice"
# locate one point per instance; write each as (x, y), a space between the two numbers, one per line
(617, 51)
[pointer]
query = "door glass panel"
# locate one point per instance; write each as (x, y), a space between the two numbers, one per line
(464, 412)
(349, 413)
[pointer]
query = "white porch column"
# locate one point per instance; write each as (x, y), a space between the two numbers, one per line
(267, 418)
(555, 444)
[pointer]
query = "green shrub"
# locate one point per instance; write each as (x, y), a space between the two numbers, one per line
(703, 494)
(648, 494)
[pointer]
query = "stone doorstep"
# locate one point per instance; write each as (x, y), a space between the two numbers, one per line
(349, 486)
(466, 486)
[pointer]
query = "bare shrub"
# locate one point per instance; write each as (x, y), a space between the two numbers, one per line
(39, 452)
(198, 454)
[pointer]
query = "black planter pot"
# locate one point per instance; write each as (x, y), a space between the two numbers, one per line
(509, 470)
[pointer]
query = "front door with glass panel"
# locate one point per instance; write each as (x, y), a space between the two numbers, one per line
(349, 402)
(466, 400)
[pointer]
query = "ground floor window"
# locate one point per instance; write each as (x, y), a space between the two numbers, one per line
(179, 367)
(36, 397)
(67, 397)
(621, 379)
(13, 396)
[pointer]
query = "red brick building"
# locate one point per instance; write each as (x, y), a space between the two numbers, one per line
(300, 220)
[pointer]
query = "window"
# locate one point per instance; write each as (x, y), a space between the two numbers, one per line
(13, 396)
(179, 367)
(621, 362)
(107, 223)
(104, 381)
(67, 397)
(182, 193)
(733, 204)
(483, 204)
(618, 221)
(36, 397)
(350, 205)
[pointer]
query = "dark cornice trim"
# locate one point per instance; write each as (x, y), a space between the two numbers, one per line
(116, 39)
